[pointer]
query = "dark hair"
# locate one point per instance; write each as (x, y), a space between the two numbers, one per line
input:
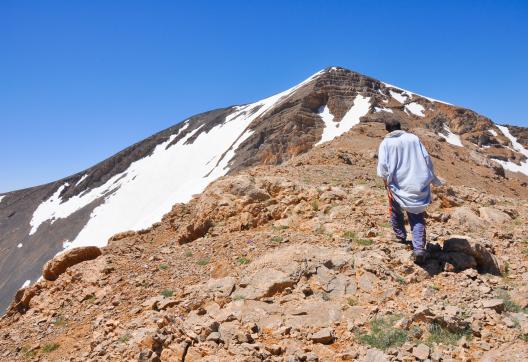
(392, 124)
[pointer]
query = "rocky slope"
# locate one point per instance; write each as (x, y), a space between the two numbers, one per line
(294, 262)
(136, 187)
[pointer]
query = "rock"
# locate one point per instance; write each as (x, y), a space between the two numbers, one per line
(520, 296)
(274, 349)
(375, 355)
(59, 264)
(495, 304)
(466, 217)
(494, 216)
(215, 337)
(486, 261)
(324, 336)
(421, 352)
(174, 352)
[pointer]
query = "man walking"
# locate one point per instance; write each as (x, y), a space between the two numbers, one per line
(407, 171)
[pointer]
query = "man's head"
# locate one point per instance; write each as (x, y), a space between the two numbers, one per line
(392, 124)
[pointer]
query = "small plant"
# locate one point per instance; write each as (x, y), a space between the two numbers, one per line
(58, 321)
(351, 301)
(243, 261)
(277, 239)
(325, 296)
(280, 227)
(238, 297)
(188, 253)
(50, 347)
(386, 225)
(163, 267)
(203, 261)
(167, 293)
(439, 334)
(506, 269)
(315, 205)
(382, 334)
(27, 353)
(524, 337)
(434, 287)
(509, 305)
(364, 242)
(350, 235)
(400, 280)
(124, 338)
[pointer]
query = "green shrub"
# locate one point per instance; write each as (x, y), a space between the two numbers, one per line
(203, 261)
(277, 239)
(124, 338)
(439, 334)
(243, 261)
(188, 253)
(50, 347)
(315, 205)
(382, 334)
(167, 293)
(163, 266)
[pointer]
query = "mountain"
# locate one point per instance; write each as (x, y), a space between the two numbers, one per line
(135, 188)
(270, 242)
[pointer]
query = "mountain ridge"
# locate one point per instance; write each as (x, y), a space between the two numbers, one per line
(270, 132)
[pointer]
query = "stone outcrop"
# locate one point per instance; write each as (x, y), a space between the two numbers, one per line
(58, 265)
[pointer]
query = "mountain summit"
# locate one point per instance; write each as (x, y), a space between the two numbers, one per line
(135, 188)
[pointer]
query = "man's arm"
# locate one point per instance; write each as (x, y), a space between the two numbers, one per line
(383, 167)
(436, 181)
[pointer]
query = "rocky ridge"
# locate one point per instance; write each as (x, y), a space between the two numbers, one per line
(294, 262)
(86, 208)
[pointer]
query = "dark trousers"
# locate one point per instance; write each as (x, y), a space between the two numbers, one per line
(417, 222)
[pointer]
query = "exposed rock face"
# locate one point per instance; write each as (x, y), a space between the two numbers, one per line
(58, 265)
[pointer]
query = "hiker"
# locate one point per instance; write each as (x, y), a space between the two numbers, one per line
(407, 170)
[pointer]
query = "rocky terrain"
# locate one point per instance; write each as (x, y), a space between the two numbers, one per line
(136, 187)
(294, 262)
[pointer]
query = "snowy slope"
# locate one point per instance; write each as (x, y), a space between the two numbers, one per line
(141, 195)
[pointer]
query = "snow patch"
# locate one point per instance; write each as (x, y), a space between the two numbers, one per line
(20, 245)
(412, 93)
(516, 145)
(143, 193)
(350, 119)
(402, 98)
(26, 284)
(451, 137)
(66, 244)
(509, 165)
(416, 109)
(382, 109)
(493, 132)
(81, 179)
(1, 197)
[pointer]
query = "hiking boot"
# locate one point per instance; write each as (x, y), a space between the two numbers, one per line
(419, 257)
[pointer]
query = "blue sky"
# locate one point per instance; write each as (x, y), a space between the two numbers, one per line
(81, 80)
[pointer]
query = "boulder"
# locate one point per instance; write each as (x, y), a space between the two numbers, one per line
(324, 336)
(466, 217)
(494, 216)
(58, 265)
(375, 355)
(486, 261)
(421, 352)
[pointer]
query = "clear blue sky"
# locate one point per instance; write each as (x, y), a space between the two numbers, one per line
(81, 80)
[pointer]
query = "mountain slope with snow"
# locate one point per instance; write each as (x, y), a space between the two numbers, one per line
(135, 188)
